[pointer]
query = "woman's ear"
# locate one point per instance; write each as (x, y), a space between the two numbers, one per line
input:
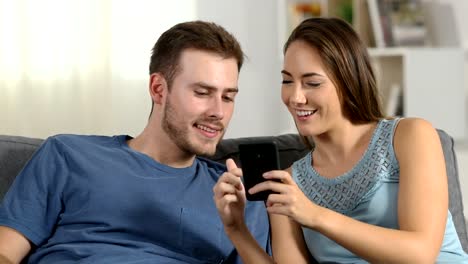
(157, 87)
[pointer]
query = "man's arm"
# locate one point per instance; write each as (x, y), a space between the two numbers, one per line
(13, 246)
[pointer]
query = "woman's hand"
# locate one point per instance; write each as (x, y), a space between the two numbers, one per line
(288, 199)
(229, 197)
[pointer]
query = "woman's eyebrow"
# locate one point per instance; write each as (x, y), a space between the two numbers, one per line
(309, 74)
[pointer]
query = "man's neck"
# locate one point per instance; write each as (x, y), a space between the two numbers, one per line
(157, 145)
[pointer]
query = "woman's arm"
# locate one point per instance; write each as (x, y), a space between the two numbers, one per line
(287, 240)
(287, 243)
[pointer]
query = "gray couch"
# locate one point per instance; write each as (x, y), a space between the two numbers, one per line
(15, 152)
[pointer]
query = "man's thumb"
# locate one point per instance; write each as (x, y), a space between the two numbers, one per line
(230, 164)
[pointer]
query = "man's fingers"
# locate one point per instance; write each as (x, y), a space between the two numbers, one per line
(228, 183)
(232, 179)
(223, 203)
(224, 188)
(230, 198)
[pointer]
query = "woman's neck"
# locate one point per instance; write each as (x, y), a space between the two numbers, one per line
(343, 144)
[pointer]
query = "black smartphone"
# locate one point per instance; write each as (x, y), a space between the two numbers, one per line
(256, 159)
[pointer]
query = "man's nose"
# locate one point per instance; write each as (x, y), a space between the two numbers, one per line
(216, 108)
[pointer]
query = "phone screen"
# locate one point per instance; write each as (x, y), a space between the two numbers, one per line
(256, 159)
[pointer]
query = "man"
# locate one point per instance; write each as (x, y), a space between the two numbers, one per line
(148, 199)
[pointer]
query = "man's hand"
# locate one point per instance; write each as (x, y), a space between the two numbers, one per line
(229, 196)
(13, 246)
(4, 260)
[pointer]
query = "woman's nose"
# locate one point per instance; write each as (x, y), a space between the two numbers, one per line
(298, 97)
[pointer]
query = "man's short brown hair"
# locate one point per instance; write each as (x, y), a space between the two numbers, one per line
(199, 35)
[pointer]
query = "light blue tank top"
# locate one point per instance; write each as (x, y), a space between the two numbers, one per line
(368, 193)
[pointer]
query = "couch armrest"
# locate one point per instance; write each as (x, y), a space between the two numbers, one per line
(455, 194)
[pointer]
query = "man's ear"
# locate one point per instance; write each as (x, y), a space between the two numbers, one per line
(157, 87)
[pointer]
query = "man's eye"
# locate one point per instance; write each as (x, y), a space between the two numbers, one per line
(286, 82)
(228, 99)
(201, 93)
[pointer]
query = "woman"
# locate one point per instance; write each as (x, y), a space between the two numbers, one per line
(371, 189)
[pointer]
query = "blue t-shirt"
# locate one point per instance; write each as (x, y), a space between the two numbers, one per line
(92, 199)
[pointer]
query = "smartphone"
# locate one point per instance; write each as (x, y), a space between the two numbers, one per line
(256, 159)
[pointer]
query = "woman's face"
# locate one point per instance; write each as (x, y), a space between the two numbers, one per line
(308, 92)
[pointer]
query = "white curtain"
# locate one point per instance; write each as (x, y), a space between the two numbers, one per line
(79, 66)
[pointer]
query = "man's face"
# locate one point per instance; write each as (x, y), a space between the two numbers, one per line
(200, 102)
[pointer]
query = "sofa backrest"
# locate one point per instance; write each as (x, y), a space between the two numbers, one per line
(290, 148)
(16, 151)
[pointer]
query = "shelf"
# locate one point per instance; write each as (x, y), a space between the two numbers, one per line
(424, 79)
(401, 51)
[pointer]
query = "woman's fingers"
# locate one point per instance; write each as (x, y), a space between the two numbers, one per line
(277, 181)
(278, 209)
(279, 175)
(277, 187)
(276, 198)
(280, 204)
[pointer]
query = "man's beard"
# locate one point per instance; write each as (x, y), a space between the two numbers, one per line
(180, 135)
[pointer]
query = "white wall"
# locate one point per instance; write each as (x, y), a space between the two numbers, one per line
(113, 98)
(79, 66)
(461, 147)
(461, 10)
(259, 110)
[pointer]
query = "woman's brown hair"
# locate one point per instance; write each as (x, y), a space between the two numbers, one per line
(347, 62)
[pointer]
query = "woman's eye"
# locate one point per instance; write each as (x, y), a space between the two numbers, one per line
(286, 82)
(313, 84)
